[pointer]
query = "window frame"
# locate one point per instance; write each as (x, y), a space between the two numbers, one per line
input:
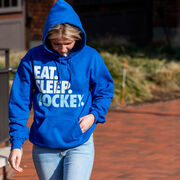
(11, 9)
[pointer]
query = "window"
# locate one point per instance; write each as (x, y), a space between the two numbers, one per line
(8, 6)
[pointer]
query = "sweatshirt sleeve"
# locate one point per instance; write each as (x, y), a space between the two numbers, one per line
(20, 102)
(102, 89)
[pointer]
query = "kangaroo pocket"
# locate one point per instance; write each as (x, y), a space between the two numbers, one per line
(59, 131)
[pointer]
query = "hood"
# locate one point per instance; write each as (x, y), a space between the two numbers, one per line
(61, 12)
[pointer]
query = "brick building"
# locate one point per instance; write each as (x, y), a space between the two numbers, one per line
(36, 13)
(139, 21)
(12, 24)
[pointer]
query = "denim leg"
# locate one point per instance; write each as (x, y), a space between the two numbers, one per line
(78, 161)
(71, 164)
(48, 163)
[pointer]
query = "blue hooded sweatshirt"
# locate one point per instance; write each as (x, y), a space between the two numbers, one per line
(61, 89)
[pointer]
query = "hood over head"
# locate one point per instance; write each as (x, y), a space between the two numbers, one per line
(61, 13)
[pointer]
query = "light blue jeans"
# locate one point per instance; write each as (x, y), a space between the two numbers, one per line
(71, 164)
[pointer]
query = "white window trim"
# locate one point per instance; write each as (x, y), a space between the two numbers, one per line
(18, 8)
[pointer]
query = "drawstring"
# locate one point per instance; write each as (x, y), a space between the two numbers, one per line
(69, 70)
(59, 72)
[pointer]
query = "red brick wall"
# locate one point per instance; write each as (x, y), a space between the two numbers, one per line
(69, 1)
(166, 13)
(36, 13)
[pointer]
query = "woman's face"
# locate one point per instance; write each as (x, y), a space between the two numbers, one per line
(62, 45)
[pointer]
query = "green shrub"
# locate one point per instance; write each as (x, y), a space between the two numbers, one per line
(144, 75)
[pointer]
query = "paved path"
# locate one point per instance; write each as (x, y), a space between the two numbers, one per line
(136, 143)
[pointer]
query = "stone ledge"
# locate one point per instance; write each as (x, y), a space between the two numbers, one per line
(4, 154)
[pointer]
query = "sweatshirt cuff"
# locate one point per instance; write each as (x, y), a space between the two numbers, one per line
(96, 116)
(16, 144)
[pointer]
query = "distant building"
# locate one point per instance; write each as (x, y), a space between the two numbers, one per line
(36, 13)
(166, 21)
(130, 19)
(12, 24)
(138, 21)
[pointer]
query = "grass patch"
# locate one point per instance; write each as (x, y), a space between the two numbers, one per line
(14, 61)
(147, 78)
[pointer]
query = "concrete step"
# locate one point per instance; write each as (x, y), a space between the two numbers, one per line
(4, 154)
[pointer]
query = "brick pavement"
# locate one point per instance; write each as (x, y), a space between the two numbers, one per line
(136, 143)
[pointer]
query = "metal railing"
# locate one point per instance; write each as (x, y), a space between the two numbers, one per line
(4, 98)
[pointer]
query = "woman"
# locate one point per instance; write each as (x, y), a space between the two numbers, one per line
(71, 91)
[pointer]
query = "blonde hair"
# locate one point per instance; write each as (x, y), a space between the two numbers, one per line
(65, 31)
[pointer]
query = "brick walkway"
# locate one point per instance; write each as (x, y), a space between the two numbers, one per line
(136, 143)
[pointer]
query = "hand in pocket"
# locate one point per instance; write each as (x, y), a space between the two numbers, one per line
(86, 122)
